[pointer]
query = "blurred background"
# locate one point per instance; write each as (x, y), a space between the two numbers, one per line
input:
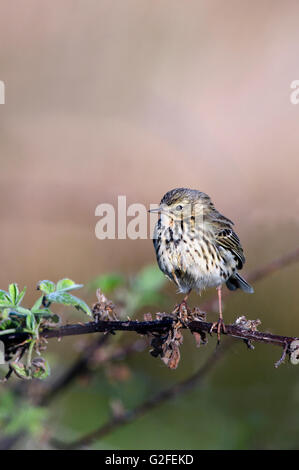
(135, 98)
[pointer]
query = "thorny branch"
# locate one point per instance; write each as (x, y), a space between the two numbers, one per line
(165, 328)
(242, 329)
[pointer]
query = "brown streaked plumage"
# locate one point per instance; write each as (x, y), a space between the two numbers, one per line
(196, 246)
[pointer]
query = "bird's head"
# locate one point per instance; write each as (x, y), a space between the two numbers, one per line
(183, 203)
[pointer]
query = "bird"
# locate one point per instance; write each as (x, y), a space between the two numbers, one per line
(196, 246)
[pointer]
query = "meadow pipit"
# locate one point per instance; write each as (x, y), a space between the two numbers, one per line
(196, 246)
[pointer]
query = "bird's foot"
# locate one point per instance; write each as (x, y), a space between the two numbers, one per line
(220, 328)
(181, 308)
(183, 312)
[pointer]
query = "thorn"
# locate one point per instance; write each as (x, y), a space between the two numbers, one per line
(283, 356)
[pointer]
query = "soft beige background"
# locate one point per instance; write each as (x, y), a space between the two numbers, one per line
(137, 97)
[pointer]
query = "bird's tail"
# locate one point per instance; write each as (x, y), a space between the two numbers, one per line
(236, 281)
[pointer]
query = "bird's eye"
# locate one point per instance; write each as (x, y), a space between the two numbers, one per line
(179, 208)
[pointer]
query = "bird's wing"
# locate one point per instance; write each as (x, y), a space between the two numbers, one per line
(229, 240)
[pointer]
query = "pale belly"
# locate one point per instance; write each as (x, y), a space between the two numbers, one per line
(196, 268)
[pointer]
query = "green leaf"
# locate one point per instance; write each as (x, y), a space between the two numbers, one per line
(46, 314)
(20, 370)
(37, 305)
(8, 324)
(46, 286)
(67, 284)
(8, 331)
(53, 318)
(20, 310)
(13, 293)
(64, 298)
(4, 298)
(5, 313)
(21, 296)
(150, 278)
(41, 368)
(107, 282)
(30, 322)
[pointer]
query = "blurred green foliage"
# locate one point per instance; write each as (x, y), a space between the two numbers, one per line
(135, 293)
(16, 319)
(106, 282)
(16, 417)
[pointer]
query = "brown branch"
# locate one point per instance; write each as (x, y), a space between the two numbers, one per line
(12, 340)
(157, 327)
(162, 326)
(153, 402)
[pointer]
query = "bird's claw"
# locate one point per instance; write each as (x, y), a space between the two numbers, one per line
(220, 328)
(183, 307)
(182, 313)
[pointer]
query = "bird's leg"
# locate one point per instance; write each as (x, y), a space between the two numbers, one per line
(186, 297)
(183, 304)
(220, 323)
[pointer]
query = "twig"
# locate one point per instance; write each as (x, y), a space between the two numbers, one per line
(160, 326)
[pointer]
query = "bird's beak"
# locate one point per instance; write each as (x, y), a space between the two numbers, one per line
(156, 209)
